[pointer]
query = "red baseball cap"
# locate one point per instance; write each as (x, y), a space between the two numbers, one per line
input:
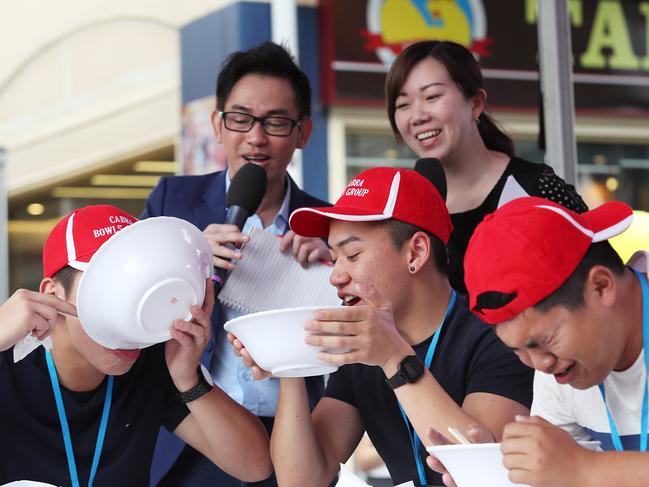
(381, 193)
(528, 248)
(76, 238)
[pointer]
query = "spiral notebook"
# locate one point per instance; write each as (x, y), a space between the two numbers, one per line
(266, 279)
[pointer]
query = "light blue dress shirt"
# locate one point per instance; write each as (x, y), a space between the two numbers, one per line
(228, 371)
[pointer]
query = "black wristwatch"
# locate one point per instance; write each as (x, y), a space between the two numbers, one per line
(199, 390)
(410, 370)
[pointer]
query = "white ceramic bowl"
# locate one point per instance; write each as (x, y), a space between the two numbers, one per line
(480, 464)
(27, 483)
(141, 280)
(275, 341)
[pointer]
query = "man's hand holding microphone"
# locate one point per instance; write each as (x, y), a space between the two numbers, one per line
(246, 192)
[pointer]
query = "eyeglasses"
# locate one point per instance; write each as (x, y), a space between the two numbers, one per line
(243, 122)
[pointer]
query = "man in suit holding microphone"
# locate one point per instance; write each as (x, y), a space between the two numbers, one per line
(263, 109)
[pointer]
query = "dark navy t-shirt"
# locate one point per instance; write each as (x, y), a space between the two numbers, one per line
(143, 399)
(469, 358)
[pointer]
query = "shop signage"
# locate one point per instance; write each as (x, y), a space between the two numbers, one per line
(610, 40)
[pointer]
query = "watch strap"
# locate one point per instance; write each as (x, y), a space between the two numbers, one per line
(199, 390)
(397, 380)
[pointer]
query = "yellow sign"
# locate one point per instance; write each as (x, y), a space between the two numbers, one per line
(394, 24)
(609, 41)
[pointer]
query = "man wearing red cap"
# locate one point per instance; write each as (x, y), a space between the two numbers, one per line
(417, 357)
(565, 303)
(77, 413)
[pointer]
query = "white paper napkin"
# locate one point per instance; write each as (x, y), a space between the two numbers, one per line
(347, 478)
(28, 344)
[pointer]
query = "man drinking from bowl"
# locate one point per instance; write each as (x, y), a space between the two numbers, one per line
(565, 303)
(81, 413)
(417, 357)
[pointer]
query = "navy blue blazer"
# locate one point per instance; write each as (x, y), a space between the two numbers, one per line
(201, 201)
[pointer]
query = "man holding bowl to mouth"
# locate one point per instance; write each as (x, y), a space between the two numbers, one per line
(417, 357)
(564, 302)
(83, 414)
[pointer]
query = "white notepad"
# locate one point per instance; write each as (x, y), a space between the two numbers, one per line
(267, 279)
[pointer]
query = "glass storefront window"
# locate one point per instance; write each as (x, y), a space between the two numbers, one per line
(32, 216)
(365, 150)
(606, 171)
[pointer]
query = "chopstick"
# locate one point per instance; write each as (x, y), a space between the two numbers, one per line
(458, 436)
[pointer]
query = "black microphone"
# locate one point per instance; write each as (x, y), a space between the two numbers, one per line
(247, 189)
(432, 169)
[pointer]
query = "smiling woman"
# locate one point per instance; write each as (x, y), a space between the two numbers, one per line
(436, 105)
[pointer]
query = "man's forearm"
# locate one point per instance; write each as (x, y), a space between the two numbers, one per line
(427, 405)
(236, 440)
(625, 469)
(296, 452)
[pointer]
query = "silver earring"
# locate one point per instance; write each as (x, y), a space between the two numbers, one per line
(477, 120)
(412, 268)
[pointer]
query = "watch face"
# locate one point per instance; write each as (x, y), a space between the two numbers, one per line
(409, 369)
(412, 368)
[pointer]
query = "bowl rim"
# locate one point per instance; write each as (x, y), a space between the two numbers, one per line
(483, 446)
(460, 446)
(272, 312)
(111, 241)
(129, 228)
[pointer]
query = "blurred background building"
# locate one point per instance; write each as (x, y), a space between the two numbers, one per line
(99, 99)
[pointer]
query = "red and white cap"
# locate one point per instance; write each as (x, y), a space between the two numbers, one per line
(381, 193)
(76, 238)
(528, 248)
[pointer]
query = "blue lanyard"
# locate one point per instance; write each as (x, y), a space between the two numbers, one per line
(615, 436)
(67, 440)
(414, 439)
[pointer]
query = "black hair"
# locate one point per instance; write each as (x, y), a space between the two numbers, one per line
(65, 276)
(571, 292)
(400, 232)
(463, 69)
(268, 59)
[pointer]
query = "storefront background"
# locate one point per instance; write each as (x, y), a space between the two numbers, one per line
(611, 81)
(130, 89)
